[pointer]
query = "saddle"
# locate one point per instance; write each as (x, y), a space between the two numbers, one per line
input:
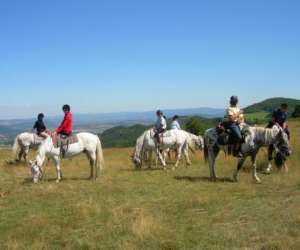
(226, 138)
(63, 142)
(159, 137)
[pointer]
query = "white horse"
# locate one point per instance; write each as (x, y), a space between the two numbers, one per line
(23, 142)
(257, 138)
(178, 140)
(87, 143)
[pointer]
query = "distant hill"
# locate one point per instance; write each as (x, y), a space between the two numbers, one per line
(269, 105)
(99, 122)
(122, 136)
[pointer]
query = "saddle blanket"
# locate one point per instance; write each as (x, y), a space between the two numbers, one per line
(62, 140)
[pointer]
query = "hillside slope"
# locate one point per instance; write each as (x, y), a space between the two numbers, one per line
(270, 104)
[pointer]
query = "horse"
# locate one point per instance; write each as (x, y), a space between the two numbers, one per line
(257, 138)
(23, 142)
(87, 143)
(179, 140)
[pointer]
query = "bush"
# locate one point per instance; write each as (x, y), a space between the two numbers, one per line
(296, 112)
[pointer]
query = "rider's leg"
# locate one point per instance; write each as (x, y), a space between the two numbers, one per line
(235, 130)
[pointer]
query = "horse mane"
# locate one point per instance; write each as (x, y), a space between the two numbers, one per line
(264, 135)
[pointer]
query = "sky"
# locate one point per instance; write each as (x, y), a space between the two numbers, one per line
(136, 55)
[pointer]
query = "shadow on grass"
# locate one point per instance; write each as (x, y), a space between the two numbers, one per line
(141, 169)
(15, 163)
(202, 178)
(28, 180)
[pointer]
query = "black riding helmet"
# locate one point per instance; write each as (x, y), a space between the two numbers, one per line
(159, 112)
(66, 107)
(234, 100)
(175, 117)
(40, 116)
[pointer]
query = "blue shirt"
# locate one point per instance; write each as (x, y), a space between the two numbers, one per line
(280, 116)
(175, 125)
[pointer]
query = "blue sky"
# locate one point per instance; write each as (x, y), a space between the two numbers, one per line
(103, 56)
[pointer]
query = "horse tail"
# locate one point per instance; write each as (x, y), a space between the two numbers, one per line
(16, 146)
(99, 156)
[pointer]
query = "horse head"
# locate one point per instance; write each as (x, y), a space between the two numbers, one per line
(282, 147)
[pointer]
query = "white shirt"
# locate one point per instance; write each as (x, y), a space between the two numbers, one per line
(161, 123)
(233, 112)
(175, 125)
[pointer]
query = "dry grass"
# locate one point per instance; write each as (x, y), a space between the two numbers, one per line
(150, 209)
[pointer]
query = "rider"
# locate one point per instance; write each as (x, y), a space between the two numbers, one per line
(160, 125)
(234, 115)
(40, 127)
(279, 117)
(66, 125)
(175, 124)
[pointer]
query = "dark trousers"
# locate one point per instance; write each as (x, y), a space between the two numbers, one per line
(64, 134)
(157, 133)
(236, 132)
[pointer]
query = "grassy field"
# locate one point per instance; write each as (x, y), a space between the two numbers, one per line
(150, 209)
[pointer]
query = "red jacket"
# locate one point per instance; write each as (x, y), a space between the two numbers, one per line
(66, 126)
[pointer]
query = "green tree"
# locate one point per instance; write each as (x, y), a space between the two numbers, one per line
(193, 125)
(296, 112)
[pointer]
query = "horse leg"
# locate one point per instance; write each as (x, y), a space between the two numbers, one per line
(186, 155)
(94, 169)
(239, 166)
(20, 154)
(211, 163)
(25, 154)
(58, 170)
(161, 158)
(270, 158)
(179, 152)
(255, 177)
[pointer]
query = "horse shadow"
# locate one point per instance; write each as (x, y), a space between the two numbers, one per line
(142, 169)
(202, 179)
(28, 180)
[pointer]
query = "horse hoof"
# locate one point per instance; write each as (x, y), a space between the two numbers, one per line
(57, 181)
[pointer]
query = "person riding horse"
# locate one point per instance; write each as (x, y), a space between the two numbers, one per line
(175, 124)
(234, 116)
(160, 126)
(66, 128)
(40, 127)
(279, 116)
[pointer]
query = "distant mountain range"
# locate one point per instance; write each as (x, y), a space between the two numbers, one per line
(100, 122)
